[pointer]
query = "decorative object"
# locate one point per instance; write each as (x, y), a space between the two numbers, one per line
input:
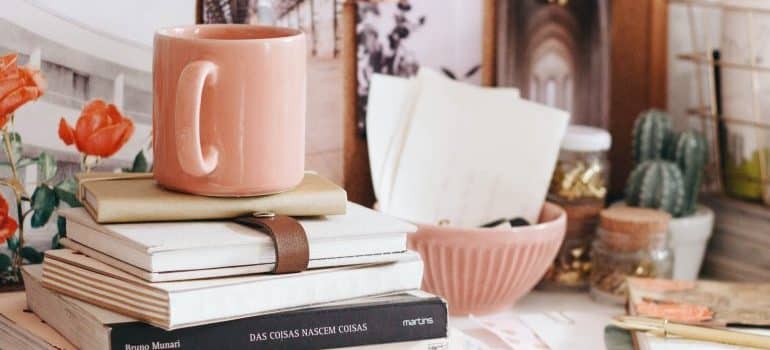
(656, 184)
(668, 176)
(630, 242)
(579, 185)
(237, 126)
(101, 132)
(479, 270)
(20, 85)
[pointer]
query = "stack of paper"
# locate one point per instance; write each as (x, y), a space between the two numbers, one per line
(444, 150)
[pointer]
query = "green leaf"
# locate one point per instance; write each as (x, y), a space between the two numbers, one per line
(16, 146)
(61, 225)
(44, 201)
(140, 164)
(12, 243)
(66, 190)
(46, 167)
(23, 162)
(69, 185)
(31, 255)
(5, 262)
(55, 241)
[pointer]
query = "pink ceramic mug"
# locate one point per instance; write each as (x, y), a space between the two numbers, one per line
(229, 109)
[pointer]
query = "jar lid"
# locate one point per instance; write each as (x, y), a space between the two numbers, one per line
(581, 138)
(636, 221)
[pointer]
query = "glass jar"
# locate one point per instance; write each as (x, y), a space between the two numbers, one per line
(579, 185)
(630, 242)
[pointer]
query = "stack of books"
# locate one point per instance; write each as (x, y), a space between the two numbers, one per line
(146, 268)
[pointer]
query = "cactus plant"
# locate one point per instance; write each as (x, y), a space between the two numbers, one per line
(651, 135)
(690, 154)
(669, 167)
(656, 184)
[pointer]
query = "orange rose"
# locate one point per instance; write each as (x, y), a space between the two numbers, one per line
(100, 130)
(18, 85)
(8, 225)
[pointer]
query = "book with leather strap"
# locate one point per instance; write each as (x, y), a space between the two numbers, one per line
(172, 251)
(136, 197)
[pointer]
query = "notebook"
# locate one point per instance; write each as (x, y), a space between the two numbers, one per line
(172, 305)
(163, 251)
(114, 198)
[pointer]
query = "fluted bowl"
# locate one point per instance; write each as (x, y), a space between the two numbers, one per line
(483, 270)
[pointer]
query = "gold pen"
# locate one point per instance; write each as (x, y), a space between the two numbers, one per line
(664, 328)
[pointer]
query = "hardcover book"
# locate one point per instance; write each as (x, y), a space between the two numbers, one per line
(166, 251)
(172, 305)
(137, 198)
(412, 320)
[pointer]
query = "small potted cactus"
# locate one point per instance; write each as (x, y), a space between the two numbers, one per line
(668, 176)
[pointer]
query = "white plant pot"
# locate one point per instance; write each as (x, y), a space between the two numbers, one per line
(688, 237)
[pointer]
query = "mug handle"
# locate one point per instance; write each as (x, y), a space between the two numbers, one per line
(189, 91)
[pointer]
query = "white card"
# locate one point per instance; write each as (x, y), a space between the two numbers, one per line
(472, 156)
(387, 111)
(390, 103)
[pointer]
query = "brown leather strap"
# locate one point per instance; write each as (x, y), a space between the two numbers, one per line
(291, 248)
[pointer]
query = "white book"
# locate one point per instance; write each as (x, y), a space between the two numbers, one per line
(171, 305)
(159, 251)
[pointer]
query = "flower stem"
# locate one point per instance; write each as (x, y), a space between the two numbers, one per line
(9, 152)
(17, 258)
(87, 164)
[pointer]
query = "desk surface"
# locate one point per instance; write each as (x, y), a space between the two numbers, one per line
(561, 320)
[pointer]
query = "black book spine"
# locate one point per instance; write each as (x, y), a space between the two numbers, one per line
(319, 328)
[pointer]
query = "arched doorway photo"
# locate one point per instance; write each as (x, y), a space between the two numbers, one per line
(557, 53)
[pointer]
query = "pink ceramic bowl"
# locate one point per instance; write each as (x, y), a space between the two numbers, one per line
(482, 270)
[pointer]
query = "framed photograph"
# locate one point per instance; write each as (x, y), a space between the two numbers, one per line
(398, 37)
(558, 54)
